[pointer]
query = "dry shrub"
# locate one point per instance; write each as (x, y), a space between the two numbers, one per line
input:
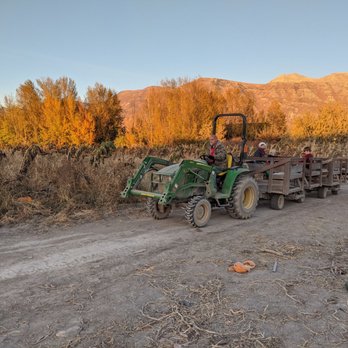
(61, 182)
(8, 169)
(320, 147)
(5, 200)
(63, 187)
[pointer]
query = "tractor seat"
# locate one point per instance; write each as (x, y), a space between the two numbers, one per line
(229, 164)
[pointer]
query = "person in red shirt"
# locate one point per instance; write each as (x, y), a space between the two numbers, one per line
(307, 154)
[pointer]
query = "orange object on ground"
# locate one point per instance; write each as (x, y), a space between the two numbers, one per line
(249, 264)
(244, 267)
(240, 268)
(26, 199)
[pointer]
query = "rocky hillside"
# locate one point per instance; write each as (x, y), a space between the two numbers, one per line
(296, 93)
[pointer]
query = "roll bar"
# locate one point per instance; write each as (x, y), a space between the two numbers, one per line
(244, 140)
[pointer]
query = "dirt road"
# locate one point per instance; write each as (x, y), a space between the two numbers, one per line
(130, 281)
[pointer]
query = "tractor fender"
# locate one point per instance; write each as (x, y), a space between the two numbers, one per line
(231, 177)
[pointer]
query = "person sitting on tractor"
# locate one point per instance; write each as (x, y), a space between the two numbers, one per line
(261, 150)
(217, 158)
(217, 153)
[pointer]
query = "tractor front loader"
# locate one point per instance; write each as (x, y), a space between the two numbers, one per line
(194, 183)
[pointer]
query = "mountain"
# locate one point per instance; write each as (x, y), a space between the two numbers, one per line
(296, 93)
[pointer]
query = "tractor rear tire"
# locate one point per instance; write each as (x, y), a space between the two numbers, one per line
(158, 211)
(277, 202)
(322, 192)
(198, 211)
(244, 198)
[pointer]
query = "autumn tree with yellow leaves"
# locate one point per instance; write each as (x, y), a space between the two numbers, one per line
(274, 122)
(183, 112)
(104, 107)
(52, 114)
(330, 121)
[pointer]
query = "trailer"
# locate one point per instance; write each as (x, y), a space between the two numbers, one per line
(290, 178)
(324, 174)
(278, 178)
(343, 169)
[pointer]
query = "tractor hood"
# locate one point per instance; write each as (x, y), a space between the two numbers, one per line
(172, 169)
(169, 170)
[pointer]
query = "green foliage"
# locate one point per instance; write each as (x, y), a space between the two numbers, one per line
(103, 151)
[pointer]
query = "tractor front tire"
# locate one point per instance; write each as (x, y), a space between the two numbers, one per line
(244, 198)
(198, 211)
(158, 211)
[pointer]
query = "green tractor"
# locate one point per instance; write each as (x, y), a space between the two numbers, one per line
(197, 185)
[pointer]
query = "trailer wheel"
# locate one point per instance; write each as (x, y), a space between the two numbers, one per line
(244, 198)
(277, 202)
(322, 192)
(158, 211)
(198, 211)
(301, 199)
(334, 191)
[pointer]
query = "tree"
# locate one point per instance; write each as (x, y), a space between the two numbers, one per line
(175, 113)
(12, 128)
(173, 83)
(59, 103)
(104, 106)
(330, 120)
(275, 120)
(236, 101)
(52, 114)
(30, 104)
(303, 126)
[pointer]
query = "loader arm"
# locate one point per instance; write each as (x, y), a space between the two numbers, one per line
(147, 165)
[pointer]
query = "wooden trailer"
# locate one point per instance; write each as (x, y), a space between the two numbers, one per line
(324, 174)
(278, 178)
(343, 169)
(313, 170)
(281, 178)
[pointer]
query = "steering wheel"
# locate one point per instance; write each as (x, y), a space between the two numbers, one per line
(209, 159)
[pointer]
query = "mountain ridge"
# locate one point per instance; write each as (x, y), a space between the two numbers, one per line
(296, 93)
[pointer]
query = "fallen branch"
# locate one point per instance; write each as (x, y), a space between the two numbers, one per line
(270, 251)
(287, 294)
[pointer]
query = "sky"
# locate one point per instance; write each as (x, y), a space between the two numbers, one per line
(133, 44)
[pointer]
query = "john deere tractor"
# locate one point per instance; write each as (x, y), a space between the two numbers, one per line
(197, 185)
